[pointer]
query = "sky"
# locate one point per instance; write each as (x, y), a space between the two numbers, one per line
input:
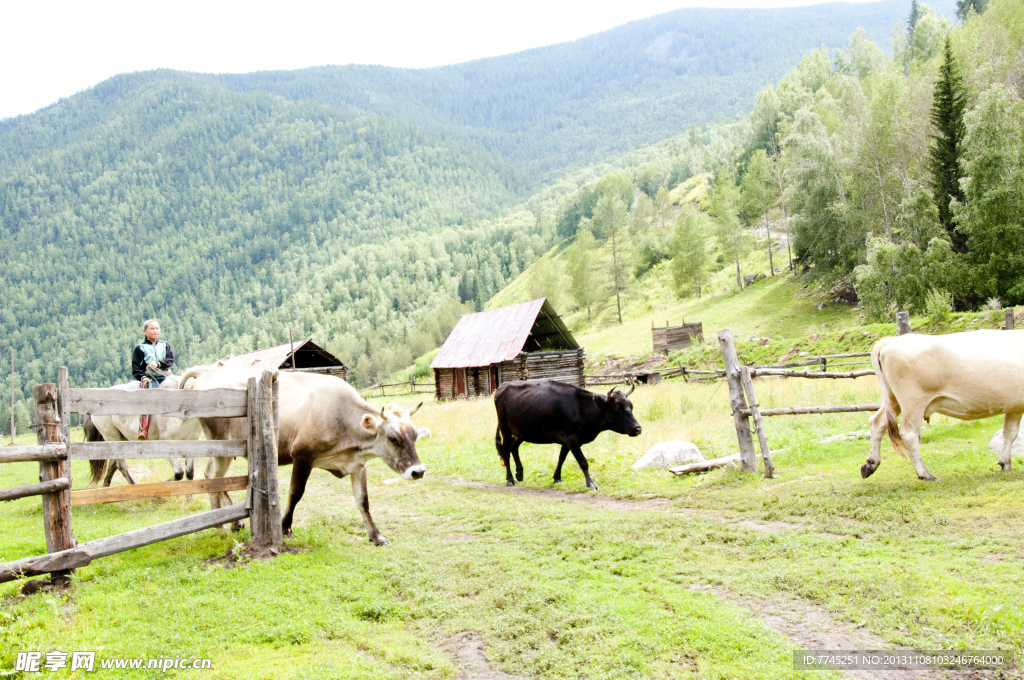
(52, 49)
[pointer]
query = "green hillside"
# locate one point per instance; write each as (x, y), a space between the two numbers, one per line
(216, 211)
(237, 216)
(567, 105)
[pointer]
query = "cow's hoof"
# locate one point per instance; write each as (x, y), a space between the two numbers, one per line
(287, 533)
(557, 480)
(510, 483)
(519, 476)
(867, 469)
(928, 477)
(190, 475)
(1006, 467)
(591, 485)
(380, 541)
(178, 476)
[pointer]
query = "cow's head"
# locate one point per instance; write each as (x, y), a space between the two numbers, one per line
(395, 440)
(618, 413)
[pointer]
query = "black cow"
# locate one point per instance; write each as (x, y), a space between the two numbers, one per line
(556, 413)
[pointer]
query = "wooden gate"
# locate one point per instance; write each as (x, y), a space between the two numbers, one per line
(53, 407)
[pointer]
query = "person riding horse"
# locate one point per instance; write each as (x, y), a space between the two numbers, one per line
(151, 361)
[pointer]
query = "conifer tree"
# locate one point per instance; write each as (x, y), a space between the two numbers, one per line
(964, 7)
(948, 106)
(915, 14)
(610, 216)
(582, 269)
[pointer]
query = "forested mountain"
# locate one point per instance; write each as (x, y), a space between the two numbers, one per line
(236, 208)
(207, 208)
(567, 105)
(898, 181)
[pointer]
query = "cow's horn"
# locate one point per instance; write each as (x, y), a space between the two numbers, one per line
(416, 408)
(383, 414)
(631, 390)
(612, 390)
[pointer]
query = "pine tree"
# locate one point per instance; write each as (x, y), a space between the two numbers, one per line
(915, 14)
(948, 106)
(964, 7)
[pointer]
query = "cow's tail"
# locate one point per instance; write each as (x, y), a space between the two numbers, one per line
(497, 440)
(194, 372)
(889, 403)
(96, 467)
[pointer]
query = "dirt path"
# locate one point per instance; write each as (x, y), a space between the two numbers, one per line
(466, 650)
(805, 624)
(622, 505)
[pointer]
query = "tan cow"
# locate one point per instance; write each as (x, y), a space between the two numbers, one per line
(324, 423)
(963, 375)
(126, 428)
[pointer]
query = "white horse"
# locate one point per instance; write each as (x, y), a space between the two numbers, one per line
(126, 428)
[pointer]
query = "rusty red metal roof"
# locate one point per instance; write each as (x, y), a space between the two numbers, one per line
(276, 357)
(490, 337)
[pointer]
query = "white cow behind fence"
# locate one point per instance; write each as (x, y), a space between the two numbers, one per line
(964, 375)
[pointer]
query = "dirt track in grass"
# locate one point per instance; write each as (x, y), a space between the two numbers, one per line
(624, 505)
(805, 624)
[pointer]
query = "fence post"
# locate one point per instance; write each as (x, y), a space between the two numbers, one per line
(1008, 315)
(902, 323)
(755, 412)
(56, 506)
(748, 459)
(269, 503)
(263, 498)
(64, 413)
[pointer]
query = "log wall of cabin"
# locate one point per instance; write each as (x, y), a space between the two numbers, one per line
(339, 371)
(444, 383)
(564, 366)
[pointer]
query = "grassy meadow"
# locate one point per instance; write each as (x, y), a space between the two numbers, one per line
(651, 577)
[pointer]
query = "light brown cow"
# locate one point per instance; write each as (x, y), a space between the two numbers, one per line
(963, 375)
(324, 423)
(126, 428)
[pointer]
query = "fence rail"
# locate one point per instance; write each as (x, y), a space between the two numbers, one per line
(805, 410)
(158, 449)
(218, 403)
(131, 492)
(52, 486)
(46, 453)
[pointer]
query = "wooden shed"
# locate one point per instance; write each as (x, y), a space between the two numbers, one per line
(521, 342)
(308, 357)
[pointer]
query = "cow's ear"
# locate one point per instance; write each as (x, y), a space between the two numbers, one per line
(369, 423)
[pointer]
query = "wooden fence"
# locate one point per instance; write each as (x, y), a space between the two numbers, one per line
(823, 362)
(55, 451)
(409, 386)
(743, 399)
